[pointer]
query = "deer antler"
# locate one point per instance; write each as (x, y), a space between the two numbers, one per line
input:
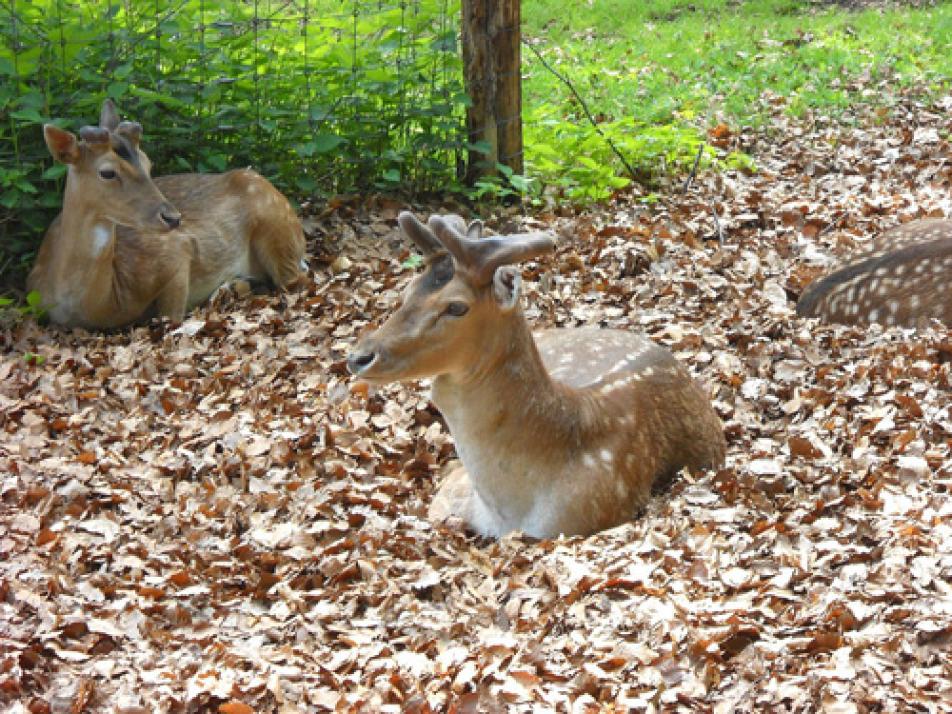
(94, 135)
(131, 130)
(482, 257)
(421, 235)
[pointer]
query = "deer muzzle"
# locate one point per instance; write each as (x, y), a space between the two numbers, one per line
(169, 216)
(360, 360)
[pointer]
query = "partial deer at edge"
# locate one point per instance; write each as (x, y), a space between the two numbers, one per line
(126, 247)
(564, 434)
(904, 280)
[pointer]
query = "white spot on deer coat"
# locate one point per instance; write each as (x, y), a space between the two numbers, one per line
(102, 237)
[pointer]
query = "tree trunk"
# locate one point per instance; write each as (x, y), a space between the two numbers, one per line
(491, 60)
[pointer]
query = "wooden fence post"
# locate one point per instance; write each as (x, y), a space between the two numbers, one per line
(491, 61)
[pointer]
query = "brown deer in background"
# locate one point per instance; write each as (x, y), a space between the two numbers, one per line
(565, 433)
(905, 280)
(125, 246)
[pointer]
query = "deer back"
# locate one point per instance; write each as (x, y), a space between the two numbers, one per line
(903, 280)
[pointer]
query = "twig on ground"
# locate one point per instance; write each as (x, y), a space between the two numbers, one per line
(830, 225)
(591, 119)
(697, 162)
(717, 225)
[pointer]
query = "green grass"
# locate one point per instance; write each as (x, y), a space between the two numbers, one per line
(665, 60)
(659, 73)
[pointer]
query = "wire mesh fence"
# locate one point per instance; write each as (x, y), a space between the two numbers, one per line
(323, 96)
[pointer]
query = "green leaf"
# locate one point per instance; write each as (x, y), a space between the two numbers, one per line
(218, 162)
(326, 142)
(520, 182)
(54, 172)
(117, 89)
(31, 116)
(480, 147)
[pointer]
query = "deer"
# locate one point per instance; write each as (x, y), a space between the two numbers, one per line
(564, 432)
(127, 247)
(902, 280)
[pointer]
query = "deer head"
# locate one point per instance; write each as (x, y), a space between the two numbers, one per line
(109, 175)
(452, 311)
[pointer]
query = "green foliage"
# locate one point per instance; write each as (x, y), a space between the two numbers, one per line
(322, 96)
(31, 307)
(578, 162)
(671, 61)
(659, 74)
(330, 96)
(504, 185)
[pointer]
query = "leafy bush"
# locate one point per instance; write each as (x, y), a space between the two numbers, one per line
(571, 158)
(321, 96)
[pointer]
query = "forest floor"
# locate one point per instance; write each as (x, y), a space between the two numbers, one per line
(212, 517)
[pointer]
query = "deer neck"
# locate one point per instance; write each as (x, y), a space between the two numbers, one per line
(509, 362)
(508, 417)
(87, 237)
(82, 261)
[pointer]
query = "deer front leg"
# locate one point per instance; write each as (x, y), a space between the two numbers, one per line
(454, 498)
(173, 299)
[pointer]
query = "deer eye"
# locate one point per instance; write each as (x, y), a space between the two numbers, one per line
(456, 309)
(107, 174)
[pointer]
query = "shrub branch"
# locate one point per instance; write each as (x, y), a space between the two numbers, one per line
(565, 80)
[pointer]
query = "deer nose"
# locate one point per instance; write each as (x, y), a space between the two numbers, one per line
(170, 217)
(357, 362)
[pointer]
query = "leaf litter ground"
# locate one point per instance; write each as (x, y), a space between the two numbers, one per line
(212, 517)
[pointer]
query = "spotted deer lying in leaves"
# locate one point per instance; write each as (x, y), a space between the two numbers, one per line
(126, 246)
(905, 280)
(565, 433)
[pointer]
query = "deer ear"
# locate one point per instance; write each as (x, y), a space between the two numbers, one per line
(109, 117)
(62, 144)
(507, 287)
